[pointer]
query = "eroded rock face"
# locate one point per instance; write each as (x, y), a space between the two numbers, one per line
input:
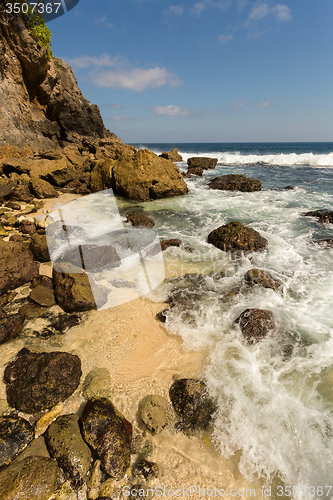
(190, 400)
(74, 291)
(235, 236)
(17, 266)
(171, 155)
(33, 478)
(109, 434)
(15, 434)
(38, 381)
(235, 182)
(203, 162)
(256, 323)
(66, 445)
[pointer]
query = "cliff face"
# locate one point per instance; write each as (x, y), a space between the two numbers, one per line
(41, 104)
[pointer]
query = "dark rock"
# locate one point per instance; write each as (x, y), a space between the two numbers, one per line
(21, 193)
(328, 242)
(171, 155)
(322, 215)
(289, 187)
(10, 220)
(263, 278)
(194, 171)
(32, 311)
(66, 445)
(204, 163)
(37, 381)
(6, 190)
(234, 292)
(33, 478)
(39, 247)
(42, 295)
(10, 326)
(73, 289)
(43, 281)
(15, 434)
(13, 205)
(145, 469)
(173, 242)
(235, 182)
(139, 219)
(109, 434)
(17, 266)
(235, 236)
(192, 403)
(17, 237)
(161, 316)
(256, 323)
(155, 413)
(42, 189)
(27, 227)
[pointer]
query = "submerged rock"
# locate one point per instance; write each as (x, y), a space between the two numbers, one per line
(171, 155)
(322, 215)
(236, 236)
(202, 162)
(107, 431)
(33, 478)
(256, 323)
(39, 247)
(235, 182)
(140, 219)
(65, 444)
(15, 434)
(173, 242)
(328, 242)
(38, 381)
(145, 469)
(17, 266)
(263, 278)
(155, 412)
(192, 403)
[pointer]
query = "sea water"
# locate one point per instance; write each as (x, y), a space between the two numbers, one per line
(275, 398)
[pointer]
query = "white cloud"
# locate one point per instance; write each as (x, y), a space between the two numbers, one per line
(177, 10)
(103, 20)
(171, 110)
(238, 105)
(225, 38)
(203, 5)
(116, 106)
(123, 75)
(137, 79)
(264, 104)
(119, 118)
(262, 9)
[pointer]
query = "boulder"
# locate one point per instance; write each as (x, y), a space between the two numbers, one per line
(17, 266)
(192, 403)
(73, 289)
(140, 219)
(235, 236)
(203, 162)
(144, 176)
(33, 478)
(27, 227)
(65, 443)
(171, 155)
(10, 326)
(322, 215)
(97, 384)
(21, 193)
(39, 247)
(255, 324)
(235, 182)
(173, 242)
(42, 189)
(15, 434)
(109, 434)
(263, 278)
(194, 171)
(155, 412)
(38, 381)
(43, 296)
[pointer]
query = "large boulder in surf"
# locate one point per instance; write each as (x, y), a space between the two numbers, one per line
(262, 278)
(255, 324)
(235, 182)
(236, 236)
(171, 155)
(201, 161)
(322, 215)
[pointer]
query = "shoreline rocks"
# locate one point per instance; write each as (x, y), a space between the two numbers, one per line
(171, 155)
(324, 216)
(202, 162)
(256, 324)
(236, 236)
(235, 182)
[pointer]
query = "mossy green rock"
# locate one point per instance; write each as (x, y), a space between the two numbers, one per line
(235, 236)
(65, 444)
(107, 431)
(97, 384)
(15, 434)
(155, 412)
(33, 478)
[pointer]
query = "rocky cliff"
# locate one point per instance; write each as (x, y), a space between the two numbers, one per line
(58, 137)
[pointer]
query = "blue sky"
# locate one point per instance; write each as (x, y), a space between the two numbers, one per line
(204, 71)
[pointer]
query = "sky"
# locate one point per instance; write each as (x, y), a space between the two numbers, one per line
(204, 71)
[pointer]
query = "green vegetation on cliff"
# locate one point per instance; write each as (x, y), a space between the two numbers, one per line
(33, 19)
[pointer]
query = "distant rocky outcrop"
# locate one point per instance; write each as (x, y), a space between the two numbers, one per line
(202, 162)
(171, 155)
(52, 137)
(235, 182)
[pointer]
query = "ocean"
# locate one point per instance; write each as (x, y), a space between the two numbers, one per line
(275, 405)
